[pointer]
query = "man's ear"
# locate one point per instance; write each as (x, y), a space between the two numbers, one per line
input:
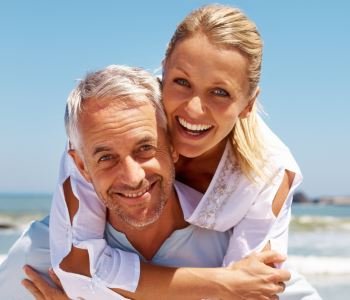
(80, 164)
(248, 109)
(174, 154)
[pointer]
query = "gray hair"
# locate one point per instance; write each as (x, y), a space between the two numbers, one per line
(128, 85)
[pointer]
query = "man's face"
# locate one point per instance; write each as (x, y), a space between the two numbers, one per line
(127, 158)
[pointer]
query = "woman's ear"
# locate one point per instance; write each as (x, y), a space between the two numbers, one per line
(80, 164)
(248, 109)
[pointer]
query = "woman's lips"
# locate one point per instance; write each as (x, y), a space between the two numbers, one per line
(193, 130)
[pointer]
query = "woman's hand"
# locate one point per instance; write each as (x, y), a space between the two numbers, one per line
(257, 279)
(40, 289)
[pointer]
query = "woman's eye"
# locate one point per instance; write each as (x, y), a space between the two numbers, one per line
(220, 92)
(182, 82)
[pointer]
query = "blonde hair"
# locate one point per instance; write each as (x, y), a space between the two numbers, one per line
(228, 27)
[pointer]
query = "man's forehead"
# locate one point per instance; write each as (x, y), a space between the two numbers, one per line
(135, 141)
(102, 126)
(118, 103)
(113, 108)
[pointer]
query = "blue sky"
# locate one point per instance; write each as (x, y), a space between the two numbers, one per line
(47, 45)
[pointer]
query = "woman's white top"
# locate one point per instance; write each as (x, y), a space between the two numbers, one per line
(231, 201)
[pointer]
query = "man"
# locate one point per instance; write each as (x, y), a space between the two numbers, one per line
(121, 147)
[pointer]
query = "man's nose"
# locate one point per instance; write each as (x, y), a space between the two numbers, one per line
(131, 172)
(195, 106)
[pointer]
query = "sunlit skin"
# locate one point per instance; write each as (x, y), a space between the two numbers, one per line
(127, 159)
(207, 86)
(136, 155)
(205, 91)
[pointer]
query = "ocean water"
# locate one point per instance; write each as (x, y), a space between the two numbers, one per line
(16, 211)
(319, 239)
(319, 247)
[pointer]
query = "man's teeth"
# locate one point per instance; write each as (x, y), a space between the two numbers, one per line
(135, 195)
(194, 127)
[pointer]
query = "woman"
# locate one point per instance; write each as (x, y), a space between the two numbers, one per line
(211, 73)
(210, 86)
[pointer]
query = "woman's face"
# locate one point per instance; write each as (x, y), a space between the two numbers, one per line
(205, 91)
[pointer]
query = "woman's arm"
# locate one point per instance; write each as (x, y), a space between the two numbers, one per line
(183, 280)
(251, 278)
(265, 226)
(77, 221)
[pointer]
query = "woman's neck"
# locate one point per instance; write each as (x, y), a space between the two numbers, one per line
(197, 172)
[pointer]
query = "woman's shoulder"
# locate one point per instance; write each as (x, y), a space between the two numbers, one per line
(278, 156)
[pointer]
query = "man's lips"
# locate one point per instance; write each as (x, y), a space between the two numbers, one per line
(136, 195)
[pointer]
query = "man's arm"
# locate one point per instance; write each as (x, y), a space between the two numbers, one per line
(40, 289)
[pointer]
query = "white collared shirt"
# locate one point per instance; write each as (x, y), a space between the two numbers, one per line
(231, 201)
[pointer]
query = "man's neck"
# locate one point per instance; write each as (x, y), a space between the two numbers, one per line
(147, 240)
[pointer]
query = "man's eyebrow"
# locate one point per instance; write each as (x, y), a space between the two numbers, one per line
(147, 139)
(99, 149)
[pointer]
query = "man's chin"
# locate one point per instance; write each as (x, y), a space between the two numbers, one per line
(144, 217)
(140, 224)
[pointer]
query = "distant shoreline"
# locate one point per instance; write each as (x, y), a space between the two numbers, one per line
(302, 198)
(299, 198)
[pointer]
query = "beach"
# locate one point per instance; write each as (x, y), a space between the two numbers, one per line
(319, 247)
(319, 239)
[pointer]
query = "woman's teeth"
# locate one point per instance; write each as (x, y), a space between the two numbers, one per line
(193, 127)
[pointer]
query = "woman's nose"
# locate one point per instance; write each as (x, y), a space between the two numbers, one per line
(195, 106)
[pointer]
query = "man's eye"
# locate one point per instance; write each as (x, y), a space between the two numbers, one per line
(182, 82)
(147, 148)
(107, 157)
(146, 151)
(220, 92)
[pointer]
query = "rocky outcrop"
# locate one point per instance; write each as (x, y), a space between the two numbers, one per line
(300, 197)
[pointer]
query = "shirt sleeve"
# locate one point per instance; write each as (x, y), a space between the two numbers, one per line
(32, 248)
(109, 267)
(82, 287)
(260, 226)
(278, 234)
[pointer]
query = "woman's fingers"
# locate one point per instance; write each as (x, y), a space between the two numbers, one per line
(281, 286)
(270, 257)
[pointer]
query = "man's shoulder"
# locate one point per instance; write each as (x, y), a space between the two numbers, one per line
(31, 248)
